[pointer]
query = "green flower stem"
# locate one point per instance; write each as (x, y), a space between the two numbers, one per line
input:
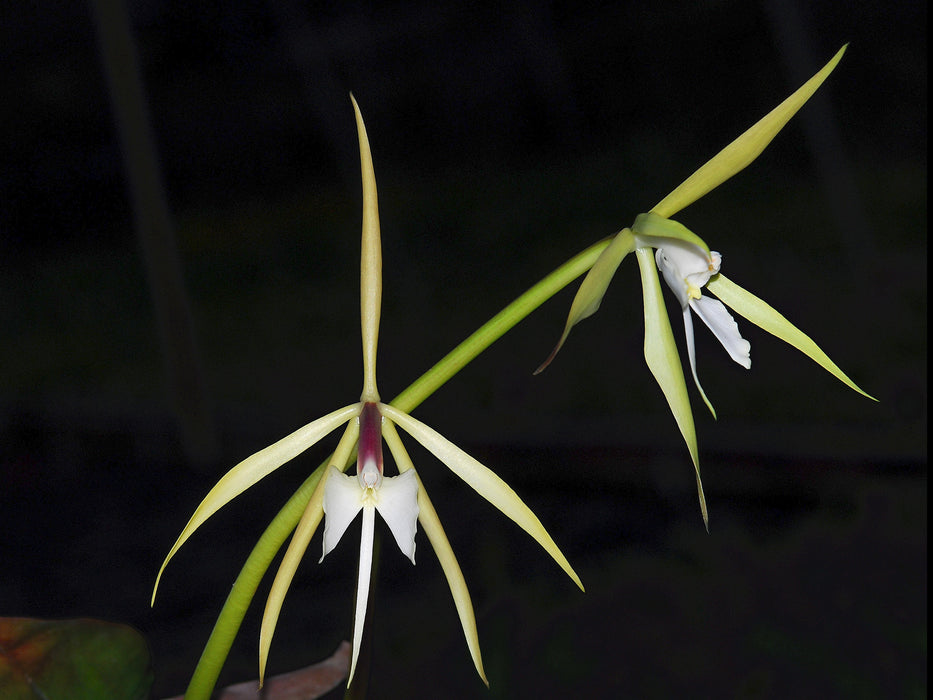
(244, 588)
(241, 594)
(496, 327)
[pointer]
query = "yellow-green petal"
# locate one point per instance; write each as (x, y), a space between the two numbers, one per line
(370, 263)
(766, 317)
(307, 526)
(483, 480)
(431, 525)
(664, 361)
(738, 154)
(254, 468)
(654, 230)
(594, 286)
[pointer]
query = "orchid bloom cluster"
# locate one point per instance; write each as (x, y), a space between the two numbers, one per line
(688, 266)
(401, 500)
(691, 270)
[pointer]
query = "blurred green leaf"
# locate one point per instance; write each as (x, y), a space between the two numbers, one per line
(72, 659)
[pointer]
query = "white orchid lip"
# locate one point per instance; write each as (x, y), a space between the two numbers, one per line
(396, 499)
(687, 268)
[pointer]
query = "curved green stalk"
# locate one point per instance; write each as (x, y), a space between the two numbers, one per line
(496, 327)
(244, 588)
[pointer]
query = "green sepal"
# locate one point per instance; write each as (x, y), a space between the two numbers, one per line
(768, 318)
(741, 152)
(654, 230)
(593, 288)
(664, 362)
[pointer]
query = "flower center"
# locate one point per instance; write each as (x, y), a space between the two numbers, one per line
(369, 456)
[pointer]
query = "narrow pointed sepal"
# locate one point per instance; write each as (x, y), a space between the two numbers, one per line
(483, 480)
(738, 154)
(594, 286)
(664, 361)
(254, 468)
(297, 547)
(431, 525)
(283, 578)
(307, 526)
(370, 263)
(766, 317)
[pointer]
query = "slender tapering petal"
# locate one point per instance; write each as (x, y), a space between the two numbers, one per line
(254, 468)
(483, 480)
(307, 526)
(593, 288)
(738, 154)
(664, 361)
(370, 263)
(431, 526)
(766, 317)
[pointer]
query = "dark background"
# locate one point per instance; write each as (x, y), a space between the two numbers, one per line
(505, 140)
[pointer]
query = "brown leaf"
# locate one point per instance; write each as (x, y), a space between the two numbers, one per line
(304, 684)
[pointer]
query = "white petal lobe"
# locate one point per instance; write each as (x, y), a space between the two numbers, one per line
(398, 505)
(343, 499)
(720, 322)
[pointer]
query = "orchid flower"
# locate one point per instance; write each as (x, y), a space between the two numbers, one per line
(401, 500)
(689, 266)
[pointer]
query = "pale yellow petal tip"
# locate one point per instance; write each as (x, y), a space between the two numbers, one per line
(576, 580)
(265, 644)
(561, 560)
(861, 391)
(155, 587)
(478, 663)
(550, 358)
(702, 497)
